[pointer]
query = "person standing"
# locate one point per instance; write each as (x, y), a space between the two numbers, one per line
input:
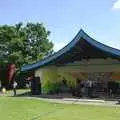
(14, 87)
(0, 85)
(89, 88)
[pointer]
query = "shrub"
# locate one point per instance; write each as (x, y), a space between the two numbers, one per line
(51, 88)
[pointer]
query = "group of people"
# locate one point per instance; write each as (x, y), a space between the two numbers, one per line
(83, 88)
(91, 88)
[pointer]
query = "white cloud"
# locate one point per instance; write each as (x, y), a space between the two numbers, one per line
(116, 5)
(58, 46)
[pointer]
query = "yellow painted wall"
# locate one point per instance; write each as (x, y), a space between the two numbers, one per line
(71, 81)
(49, 74)
(53, 74)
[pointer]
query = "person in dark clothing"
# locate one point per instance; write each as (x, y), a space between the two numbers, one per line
(78, 88)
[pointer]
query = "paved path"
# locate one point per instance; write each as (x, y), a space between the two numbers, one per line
(78, 101)
(68, 99)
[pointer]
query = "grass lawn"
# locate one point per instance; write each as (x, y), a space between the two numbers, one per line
(19, 108)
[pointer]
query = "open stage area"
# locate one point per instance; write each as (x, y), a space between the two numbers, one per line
(31, 108)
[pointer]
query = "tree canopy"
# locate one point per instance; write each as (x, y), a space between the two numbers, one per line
(24, 43)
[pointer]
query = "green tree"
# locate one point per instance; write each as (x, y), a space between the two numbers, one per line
(24, 43)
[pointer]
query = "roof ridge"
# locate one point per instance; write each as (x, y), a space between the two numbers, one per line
(80, 34)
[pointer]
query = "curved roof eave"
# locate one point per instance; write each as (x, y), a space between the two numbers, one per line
(81, 34)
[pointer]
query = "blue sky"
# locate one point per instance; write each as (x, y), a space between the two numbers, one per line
(99, 18)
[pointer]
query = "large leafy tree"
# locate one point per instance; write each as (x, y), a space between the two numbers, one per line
(24, 43)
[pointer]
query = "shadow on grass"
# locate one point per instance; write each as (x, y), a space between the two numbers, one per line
(48, 96)
(20, 93)
(26, 94)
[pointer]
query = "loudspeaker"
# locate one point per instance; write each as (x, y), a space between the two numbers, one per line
(36, 86)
